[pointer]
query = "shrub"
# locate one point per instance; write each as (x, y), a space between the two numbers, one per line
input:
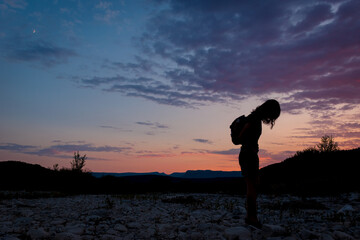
(327, 144)
(78, 163)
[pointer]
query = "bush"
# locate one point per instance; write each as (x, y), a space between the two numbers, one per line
(78, 163)
(327, 144)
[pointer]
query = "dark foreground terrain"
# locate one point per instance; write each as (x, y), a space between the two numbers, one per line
(179, 216)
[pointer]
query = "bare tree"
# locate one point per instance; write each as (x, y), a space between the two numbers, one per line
(327, 144)
(56, 167)
(78, 163)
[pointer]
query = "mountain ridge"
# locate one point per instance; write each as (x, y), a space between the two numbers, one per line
(187, 174)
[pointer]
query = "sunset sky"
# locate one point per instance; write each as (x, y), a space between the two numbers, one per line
(153, 85)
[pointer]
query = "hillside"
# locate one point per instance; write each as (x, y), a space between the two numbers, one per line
(24, 176)
(16, 175)
(314, 172)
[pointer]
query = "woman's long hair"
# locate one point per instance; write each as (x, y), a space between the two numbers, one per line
(268, 112)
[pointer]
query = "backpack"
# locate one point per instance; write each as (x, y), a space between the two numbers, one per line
(236, 126)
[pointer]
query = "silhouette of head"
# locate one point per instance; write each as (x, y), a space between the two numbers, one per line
(268, 112)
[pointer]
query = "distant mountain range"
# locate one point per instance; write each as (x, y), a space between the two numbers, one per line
(188, 174)
(126, 174)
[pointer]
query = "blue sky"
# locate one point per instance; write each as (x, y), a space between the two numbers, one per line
(153, 85)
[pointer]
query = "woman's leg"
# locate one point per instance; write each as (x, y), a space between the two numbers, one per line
(249, 163)
(251, 196)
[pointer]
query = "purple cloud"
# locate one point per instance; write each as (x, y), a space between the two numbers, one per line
(79, 147)
(261, 47)
(145, 123)
(153, 124)
(110, 127)
(307, 51)
(16, 147)
(200, 140)
(58, 150)
(46, 53)
(188, 96)
(141, 65)
(233, 151)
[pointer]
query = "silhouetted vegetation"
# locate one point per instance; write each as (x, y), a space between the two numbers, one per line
(78, 163)
(56, 167)
(29, 177)
(312, 171)
(317, 170)
(327, 144)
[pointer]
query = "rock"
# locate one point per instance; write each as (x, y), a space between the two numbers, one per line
(148, 233)
(183, 228)
(235, 233)
(182, 236)
(347, 208)
(196, 236)
(9, 238)
(100, 212)
(218, 217)
(164, 227)
(130, 236)
(112, 232)
(236, 214)
(211, 234)
(354, 197)
(242, 209)
(66, 236)
(110, 237)
(37, 233)
(204, 226)
(58, 221)
(121, 228)
(87, 237)
(307, 234)
(290, 238)
(5, 228)
(342, 236)
(90, 230)
(337, 228)
(133, 225)
(23, 221)
(274, 229)
(102, 228)
(325, 236)
(77, 230)
(92, 218)
(26, 213)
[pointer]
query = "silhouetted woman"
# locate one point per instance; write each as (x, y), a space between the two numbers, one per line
(267, 113)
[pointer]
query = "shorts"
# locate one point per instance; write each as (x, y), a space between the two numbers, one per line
(249, 162)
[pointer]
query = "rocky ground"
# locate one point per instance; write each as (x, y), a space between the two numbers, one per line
(179, 216)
